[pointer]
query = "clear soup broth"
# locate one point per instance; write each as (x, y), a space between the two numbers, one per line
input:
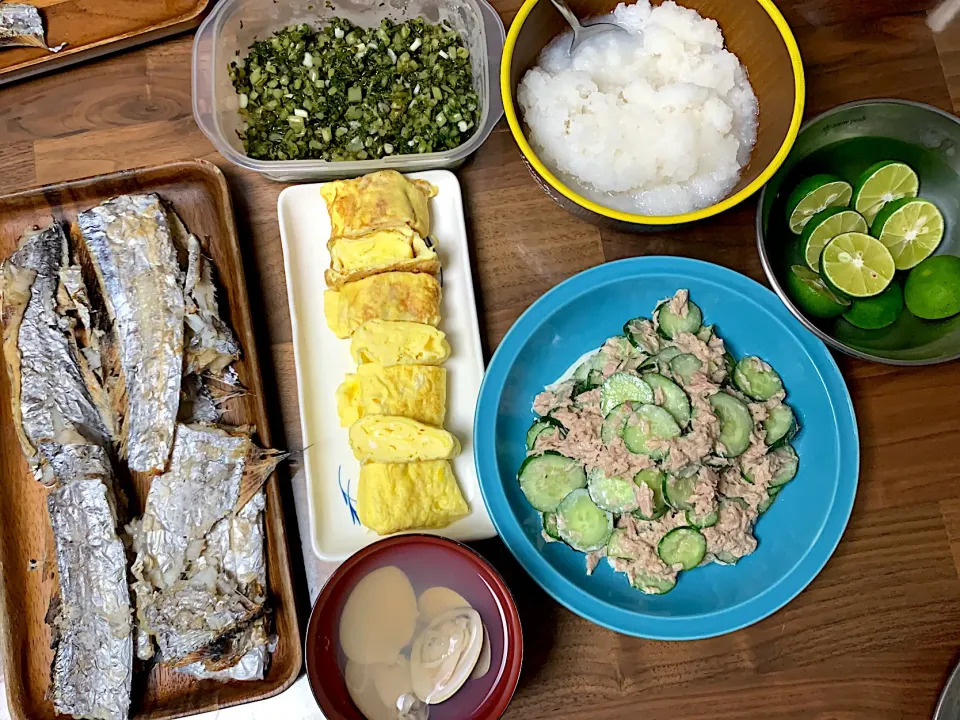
(409, 608)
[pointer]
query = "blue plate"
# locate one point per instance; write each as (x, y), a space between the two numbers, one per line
(796, 536)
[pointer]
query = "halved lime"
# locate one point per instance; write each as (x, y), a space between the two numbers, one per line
(824, 227)
(911, 228)
(878, 311)
(812, 295)
(813, 195)
(881, 183)
(857, 265)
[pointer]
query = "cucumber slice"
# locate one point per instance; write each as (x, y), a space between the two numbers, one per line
(789, 464)
(548, 478)
(671, 324)
(613, 494)
(675, 400)
(753, 378)
(540, 426)
(683, 546)
(614, 423)
(705, 333)
(726, 558)
(583, 369)
(621, 387)
(648, 343)
(550, 525)
(768, 500)
(581, 524)
(708, 520)
(650, 584)
(736, 423)
(593, 380)
(618, 546)
(649, 422)
(654, 480)
(678, 490)
(664, 357)
(779, 424)
(685, 365)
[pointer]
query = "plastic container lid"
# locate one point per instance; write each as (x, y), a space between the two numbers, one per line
(231, 28)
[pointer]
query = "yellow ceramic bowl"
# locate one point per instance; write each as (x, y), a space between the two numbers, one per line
(754, 30)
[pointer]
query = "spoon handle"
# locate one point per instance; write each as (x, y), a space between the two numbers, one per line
(568, 15)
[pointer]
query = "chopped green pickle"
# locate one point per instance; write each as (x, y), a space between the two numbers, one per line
(344, 92)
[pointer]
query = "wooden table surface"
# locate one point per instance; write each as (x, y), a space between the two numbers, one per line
(876, 633)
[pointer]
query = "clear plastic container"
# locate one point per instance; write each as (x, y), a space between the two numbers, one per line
(230, 29)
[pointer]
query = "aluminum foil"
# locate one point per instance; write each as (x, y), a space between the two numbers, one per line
(200, 568)
(197, 404)
(21, 26)
(93, 661)
(130, 243)
(51, 394)
(243, 656)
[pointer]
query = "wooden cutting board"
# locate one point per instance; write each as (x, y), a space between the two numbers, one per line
(91, 28)
(198, 192)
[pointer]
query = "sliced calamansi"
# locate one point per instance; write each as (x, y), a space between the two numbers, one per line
(881, 183)
(824, 227)
(910, 228)
(814, 195)
(857, 265)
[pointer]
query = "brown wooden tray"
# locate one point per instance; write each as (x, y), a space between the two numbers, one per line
(199, 194)
(91, 28)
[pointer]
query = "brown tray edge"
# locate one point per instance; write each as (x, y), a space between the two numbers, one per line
(15, 705)
(57, 61)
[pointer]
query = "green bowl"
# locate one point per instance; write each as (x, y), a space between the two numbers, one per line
(845, 141)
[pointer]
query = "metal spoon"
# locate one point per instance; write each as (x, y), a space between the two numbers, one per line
(582, 33)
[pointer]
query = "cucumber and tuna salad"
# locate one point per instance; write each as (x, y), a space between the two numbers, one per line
(660, 450)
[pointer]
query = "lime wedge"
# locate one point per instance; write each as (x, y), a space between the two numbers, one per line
(813, 195)
(911, 229)
(824, 227)
(812, 295)
(857, 265)
(882, 183)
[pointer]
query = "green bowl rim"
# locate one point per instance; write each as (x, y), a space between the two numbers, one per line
(768, 268)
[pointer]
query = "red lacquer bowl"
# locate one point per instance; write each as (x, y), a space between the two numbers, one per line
(427, 560)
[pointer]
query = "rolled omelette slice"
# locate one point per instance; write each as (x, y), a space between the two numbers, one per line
(389, 250)
(413, 391)
(404, 496)
(414, 297)
(383, 199)
(392, 439)
(398, 342)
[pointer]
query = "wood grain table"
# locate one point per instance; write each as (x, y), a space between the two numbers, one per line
(877, 632)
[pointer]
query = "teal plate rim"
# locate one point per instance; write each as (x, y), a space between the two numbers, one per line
(574, 598)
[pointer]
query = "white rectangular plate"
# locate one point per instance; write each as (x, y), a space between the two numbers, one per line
(322, 361)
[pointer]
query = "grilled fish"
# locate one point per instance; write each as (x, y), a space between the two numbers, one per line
(93, 660)
(129, 241)
(210, 345)
(53, 397)
(21, 26)
(196, 583)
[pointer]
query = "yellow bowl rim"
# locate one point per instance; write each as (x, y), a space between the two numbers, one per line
(709, 211)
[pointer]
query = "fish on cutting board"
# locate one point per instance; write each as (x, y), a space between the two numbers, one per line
(130, 245)
(414, 297)
(190, 592)
(55, 395)
(22, 26)
(92, 629)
